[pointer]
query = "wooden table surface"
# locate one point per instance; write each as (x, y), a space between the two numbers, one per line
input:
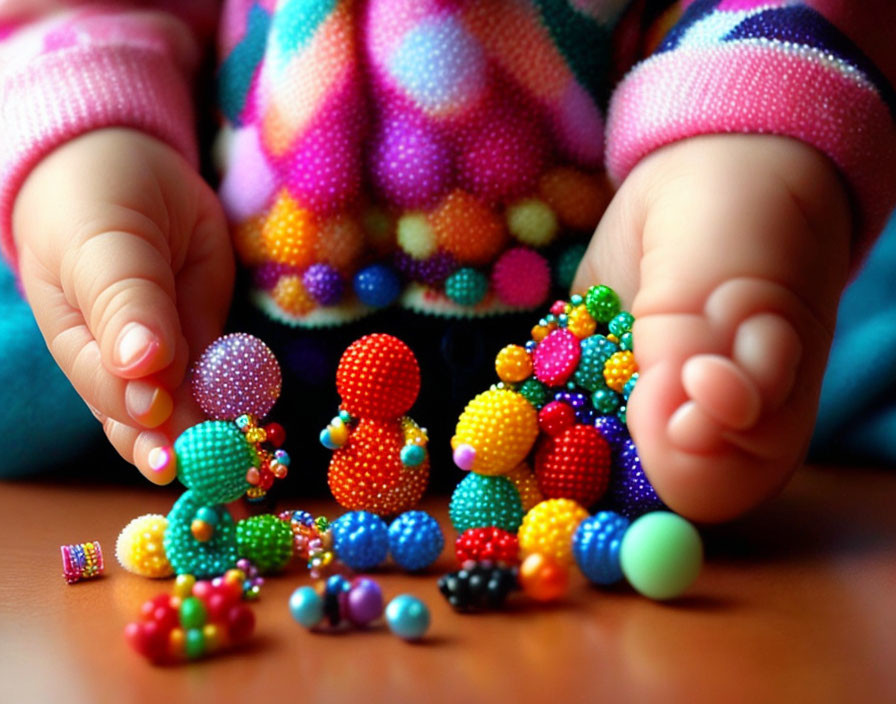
(796, 603)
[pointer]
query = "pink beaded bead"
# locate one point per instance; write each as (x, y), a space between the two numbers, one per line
(556, 357)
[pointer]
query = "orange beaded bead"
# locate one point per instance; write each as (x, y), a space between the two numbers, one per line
(513, 364)
(619, 368)
(292, 296)
(248, 242)
(542, 578)
(578, 198)
(468, 229)
(289, 233)
(580, 323)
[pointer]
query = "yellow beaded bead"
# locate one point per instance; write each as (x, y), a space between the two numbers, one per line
(501, 426)
(523, 479)
(248, 242)
(140, 549)
(292, 296)
(549, 528)
(513, 364)
(580, 323)
(619, 369)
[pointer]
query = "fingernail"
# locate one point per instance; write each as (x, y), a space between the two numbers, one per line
(135, 344)
(160, 458)
(148, 404)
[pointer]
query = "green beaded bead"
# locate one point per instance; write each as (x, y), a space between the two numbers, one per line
(481, 500)
(622, 323)
(192, 613)
(534, 392)
(603, 303)
(466, 286)
(212, 459)
(266, 541)
(567, 264)
(627, 342)
(189, 556)
(605, 401)
(661, 555)
(595, 351)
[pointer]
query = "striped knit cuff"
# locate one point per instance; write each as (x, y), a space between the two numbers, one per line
(719, 74)
(64, 94)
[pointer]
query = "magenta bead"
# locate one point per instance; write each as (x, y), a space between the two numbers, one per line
(521, 277)
(236, 374)
(365, 601)
(556, 357)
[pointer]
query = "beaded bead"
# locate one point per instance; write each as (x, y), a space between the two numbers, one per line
(532, 222)
(378, 377)
(481, 500)
(523, 479)
(360, 539)
(596, 544)
(580, 323)
(534, 392)
(595, 351)
(212, 458)
(324, 284)
(602, 303)
(605, 401)
(613, 431)
(579, 402)
(618, 369)
(236, 374)
(407, 617)
(578, 198)
(415, 235)
(621, 323)
(415, 540)
(189, 556)
(376, 285)
(468, 229)
(487, 544)
(548, 529)
(478, 586)
(266, 541)
(498, 427)
(556, 357)
(521, 277)
(661, 555)
(513, 364)
(82, 561)
(574, 464)
(630, 492)
(139, 547)
(466, 286)
(289, 233)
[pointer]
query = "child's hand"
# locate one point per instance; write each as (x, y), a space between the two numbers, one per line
(732, 252)
(125, 259)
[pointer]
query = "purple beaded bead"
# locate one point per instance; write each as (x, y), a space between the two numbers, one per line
(580, 403)
(432, 271)
(324, 284)
(236, 374)
(613, 431)
(268, 274)
(630, 492)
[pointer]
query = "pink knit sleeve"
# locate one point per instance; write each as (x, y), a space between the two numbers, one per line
(73, 71)
(820, 71)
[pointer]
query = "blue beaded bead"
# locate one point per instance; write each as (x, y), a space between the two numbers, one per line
(408, 617)
(360, 539)
(377, 285)
(613, 431)
(630, 492)
(306, 606)
(580, 403)
(415, 540)
(595, 546)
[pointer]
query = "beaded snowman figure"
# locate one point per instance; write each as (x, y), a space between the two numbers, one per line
(380, 462)
(236, 382)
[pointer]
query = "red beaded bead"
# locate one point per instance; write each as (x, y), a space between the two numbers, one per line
(574, 464)
(556, 417)
(378, 377)
(490, 544)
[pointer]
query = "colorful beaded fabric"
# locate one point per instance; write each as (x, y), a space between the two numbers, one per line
(444, 154)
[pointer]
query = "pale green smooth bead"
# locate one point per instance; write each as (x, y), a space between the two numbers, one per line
(661, 555)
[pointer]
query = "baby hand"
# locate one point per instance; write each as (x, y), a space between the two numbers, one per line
(124, 257)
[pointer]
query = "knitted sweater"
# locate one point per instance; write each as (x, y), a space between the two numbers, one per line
(445, 154)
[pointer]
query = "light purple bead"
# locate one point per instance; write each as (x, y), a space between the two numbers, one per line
(236, 374)
(365, 601)
(324, 284)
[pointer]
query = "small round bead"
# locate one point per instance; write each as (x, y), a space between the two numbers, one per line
(618, 369)
(266, 541)
(549, 527)
(534, 392)
(306, 606)
(602, 303)
(415, 540)
(324, 284)
(556, 357)
(192, 613)
(466, 286)
(661, 555)
(532, 222)
(621, 323)
(513, 364)
(543, 578)
(408, 617)
(360, 539)
(376, 285)
(140, 546)
(521, 277)
(596, 545)
(365, 601)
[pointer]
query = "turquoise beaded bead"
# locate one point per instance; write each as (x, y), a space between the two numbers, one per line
(466, 286)
(481, 500)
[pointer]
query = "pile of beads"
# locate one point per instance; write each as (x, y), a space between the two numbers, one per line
(380, 462)
(197, 619)
(81, 561)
